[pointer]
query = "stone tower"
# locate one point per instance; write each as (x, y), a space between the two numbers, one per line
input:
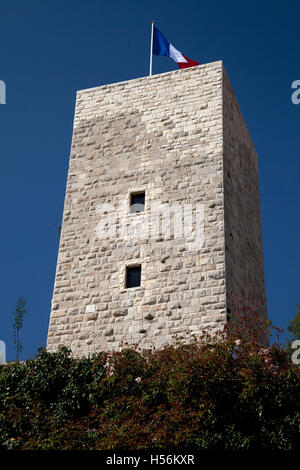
(161, 219)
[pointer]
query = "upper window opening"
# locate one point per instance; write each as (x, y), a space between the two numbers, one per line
(137, 202)
(133, 276)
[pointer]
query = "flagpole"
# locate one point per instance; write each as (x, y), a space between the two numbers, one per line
(151, 49)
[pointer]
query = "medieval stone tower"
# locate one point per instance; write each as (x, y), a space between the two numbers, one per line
(161, 220)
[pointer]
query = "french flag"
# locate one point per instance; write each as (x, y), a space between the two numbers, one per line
(161, 46)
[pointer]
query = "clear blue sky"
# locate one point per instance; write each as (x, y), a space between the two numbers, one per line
(51, 49)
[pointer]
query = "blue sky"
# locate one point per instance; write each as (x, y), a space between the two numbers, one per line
(51, 49)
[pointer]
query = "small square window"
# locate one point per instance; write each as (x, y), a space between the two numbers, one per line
(133, 276)
(137, 202)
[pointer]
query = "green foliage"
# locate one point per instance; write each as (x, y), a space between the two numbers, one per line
(219, 393)
(18, 324)
(149, 317)
(293, 329)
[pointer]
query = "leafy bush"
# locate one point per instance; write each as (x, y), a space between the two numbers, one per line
(223, 392)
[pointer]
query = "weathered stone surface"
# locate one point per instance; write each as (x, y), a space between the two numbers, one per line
(181, 138)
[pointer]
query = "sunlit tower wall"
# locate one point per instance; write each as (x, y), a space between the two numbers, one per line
(161, 221)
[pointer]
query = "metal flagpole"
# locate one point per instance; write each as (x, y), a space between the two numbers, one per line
(151, 50)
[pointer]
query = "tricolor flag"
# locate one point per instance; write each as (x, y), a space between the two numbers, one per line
(161, 46)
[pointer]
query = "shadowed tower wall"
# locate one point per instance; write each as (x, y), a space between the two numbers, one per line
(243, 236)
(175, 137)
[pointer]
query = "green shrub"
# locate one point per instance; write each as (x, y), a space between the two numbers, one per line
(223, 392)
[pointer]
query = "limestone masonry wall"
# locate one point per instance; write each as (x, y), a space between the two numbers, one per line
(165, 135)
(243, 238)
